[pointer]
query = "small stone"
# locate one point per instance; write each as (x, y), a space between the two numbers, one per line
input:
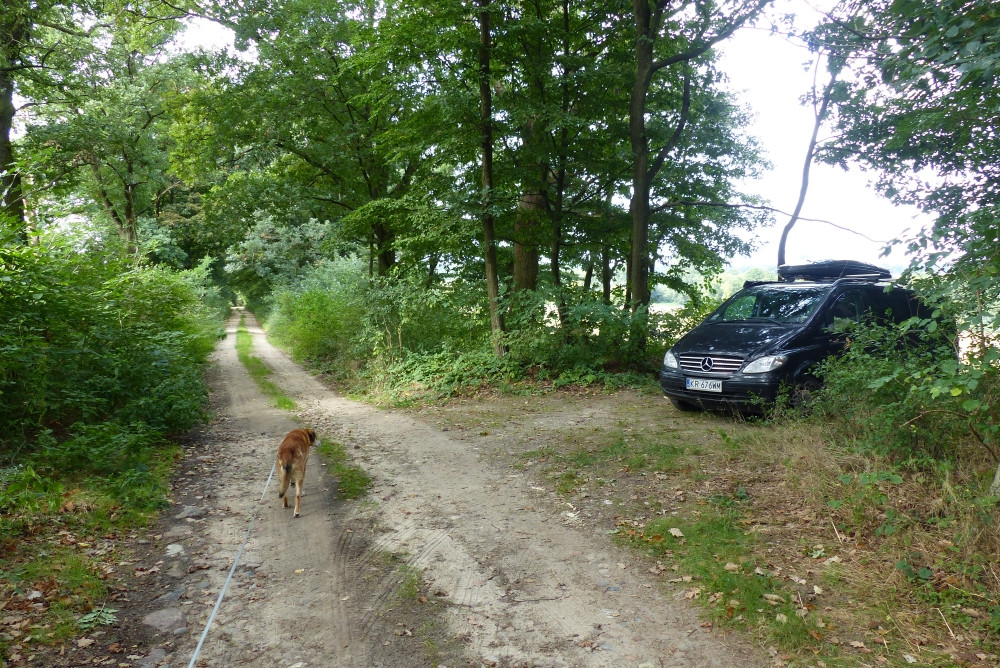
(166, 620)
(170, 596)
(191, 512)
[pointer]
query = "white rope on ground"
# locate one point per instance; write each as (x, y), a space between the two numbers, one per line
(225, 586)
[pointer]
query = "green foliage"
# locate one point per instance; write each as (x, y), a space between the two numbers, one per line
(864, 497)
(273, 255)
(403, 338)
(98, 338)
(885, 394)
(26, 492)
(102, 617)
(923, 97)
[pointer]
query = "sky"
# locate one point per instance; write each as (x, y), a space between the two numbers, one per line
(767, 72)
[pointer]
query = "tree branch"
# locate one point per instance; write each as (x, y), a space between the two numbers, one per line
(671, 144)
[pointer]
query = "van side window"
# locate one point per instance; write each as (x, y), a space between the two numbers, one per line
(849, 309)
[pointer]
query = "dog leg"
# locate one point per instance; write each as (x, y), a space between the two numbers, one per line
(300, 475)
(283, 480)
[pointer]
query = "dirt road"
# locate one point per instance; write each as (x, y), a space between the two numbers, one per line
(456, 558)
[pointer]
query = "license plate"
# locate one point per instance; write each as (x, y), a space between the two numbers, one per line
(703, 384)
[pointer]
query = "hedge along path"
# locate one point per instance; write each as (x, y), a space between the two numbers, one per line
(524, 584)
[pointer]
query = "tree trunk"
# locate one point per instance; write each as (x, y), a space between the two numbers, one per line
(606, 275)
(386, 256)
(486, 123)
(820, 114)
(638, 274)
(530, 212)
(11, 199)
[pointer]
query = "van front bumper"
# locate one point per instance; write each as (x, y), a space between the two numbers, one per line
(751, 392)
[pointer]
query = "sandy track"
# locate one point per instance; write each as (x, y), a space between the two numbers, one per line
(525, 581)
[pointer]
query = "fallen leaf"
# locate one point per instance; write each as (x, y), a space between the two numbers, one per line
(781, 619)
(85, 642)
(676, 533)
(299, 570)
(773, 599)
(731, 567)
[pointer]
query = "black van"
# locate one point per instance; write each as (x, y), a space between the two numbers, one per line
(770, 335)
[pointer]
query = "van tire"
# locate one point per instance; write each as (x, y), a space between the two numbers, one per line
(804, 392)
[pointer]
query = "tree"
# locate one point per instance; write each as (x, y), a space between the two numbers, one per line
(39, 46)
(921, 110)
(320, 119)
(667, 39)
(111, 135)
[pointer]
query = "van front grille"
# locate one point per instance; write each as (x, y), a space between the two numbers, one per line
(714, 364)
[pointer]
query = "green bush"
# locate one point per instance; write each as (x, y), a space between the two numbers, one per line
(319, 318)
(400, 334)
(91, 337)
(884, 396)
(339, 320)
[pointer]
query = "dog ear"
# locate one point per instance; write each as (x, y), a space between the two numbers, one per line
(312, 435)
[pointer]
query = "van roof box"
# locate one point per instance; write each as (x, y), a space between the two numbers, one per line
(831, 270)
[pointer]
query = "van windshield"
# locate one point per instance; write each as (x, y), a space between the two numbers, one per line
(769, 303)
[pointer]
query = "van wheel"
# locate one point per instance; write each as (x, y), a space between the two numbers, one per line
(684, 406)
(805, 391)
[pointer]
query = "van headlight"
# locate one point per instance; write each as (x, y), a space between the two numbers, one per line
(670, 360)
(765, 364)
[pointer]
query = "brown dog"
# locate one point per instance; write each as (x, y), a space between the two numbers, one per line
(292, 457)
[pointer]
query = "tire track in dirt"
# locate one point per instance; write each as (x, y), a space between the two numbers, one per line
(526, 584)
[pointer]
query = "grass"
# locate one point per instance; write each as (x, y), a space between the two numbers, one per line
(353, 481)
(58, 547)
(819, 553)
(258, 370)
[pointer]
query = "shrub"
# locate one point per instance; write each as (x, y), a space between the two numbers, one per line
(886, 396)
(93, 337)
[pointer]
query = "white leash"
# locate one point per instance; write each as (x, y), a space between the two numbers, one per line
(232, 570)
